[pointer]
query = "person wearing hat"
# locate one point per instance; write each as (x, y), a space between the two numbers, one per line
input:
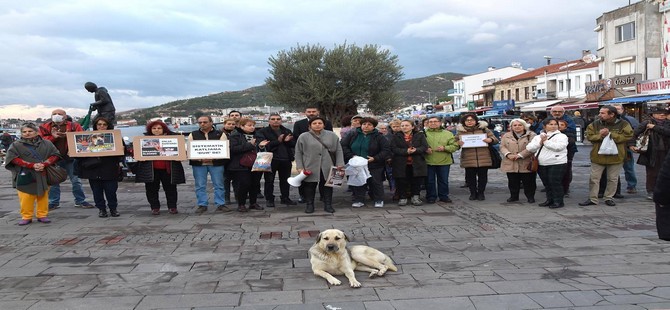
(355, 123)
(658, 130)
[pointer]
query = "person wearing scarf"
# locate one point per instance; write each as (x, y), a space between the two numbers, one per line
(22, 158)
(658, 129)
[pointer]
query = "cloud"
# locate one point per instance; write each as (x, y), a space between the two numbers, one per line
(149, 53)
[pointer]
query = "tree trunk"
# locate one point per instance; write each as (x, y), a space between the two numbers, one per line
(335, 112)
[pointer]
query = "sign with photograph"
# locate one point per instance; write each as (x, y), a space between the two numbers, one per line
(476, 140)
(208, 149)
(336, 177)
(159, 148)
(94, 143)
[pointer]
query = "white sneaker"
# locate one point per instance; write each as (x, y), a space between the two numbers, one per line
(357, 204)
(402, 202)
(379, 204)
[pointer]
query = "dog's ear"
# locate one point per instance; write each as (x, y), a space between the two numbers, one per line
(318, 238)
(346, 237)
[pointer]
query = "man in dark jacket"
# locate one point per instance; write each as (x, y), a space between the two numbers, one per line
(282, 146)
(103, 102)
(302, 126)
(215, 168)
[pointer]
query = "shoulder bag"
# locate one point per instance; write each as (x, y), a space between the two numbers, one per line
(54, 173)
(642, 142)
(332, 154)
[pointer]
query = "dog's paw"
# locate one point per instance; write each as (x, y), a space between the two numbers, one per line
(382, 271)
(373, 273)
(354, 283)
(335, 282)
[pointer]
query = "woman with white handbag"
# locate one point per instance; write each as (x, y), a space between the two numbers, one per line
(652, 142)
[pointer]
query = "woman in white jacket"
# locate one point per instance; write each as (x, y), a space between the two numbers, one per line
(551, 149)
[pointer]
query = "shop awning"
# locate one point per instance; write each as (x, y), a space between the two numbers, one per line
(576, 106)
(539, 105)
(635, 99)
(484, 91)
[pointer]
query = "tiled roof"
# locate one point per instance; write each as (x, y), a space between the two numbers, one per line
(572, 65)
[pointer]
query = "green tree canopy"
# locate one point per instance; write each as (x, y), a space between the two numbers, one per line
(337, 80)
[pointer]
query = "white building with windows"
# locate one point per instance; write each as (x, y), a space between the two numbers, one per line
(630, 41)
(466, 88)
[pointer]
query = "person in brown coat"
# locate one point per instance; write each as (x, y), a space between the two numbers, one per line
(516, 159)
(475, 160)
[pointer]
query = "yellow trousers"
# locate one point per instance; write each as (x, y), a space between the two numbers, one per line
(28, 201)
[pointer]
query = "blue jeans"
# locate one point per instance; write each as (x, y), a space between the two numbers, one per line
(629, 170)
(77, 191)
(200, 177)
(440, 172)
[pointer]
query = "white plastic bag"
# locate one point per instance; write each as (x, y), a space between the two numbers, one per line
(608, 147)
(357, 171)
(263, 162)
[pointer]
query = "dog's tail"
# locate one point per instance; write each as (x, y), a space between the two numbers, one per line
(389, 263)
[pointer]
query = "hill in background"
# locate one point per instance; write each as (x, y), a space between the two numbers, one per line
(413, 91)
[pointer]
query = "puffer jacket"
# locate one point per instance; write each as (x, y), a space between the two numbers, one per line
(476, 157)
(511, 145)
(145, 172)
(620, 131)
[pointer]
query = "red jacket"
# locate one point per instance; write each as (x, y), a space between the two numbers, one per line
(60, 143)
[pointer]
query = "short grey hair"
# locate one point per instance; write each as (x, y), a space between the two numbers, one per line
(520, 121)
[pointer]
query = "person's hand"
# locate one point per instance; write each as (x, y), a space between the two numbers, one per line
(264, 143)
(411, 150)
(440, 148)
(371, 159)
(55, 133)
(604, 132)
(634, 149)
(280, 138)
(253, 141)
(650, 126)
(340, 168)
(429, 151)
(288, 138)
(488, 140)
(38, 166)
(460, 142)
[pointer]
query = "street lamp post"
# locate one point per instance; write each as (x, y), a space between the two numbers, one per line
(567, 73)
(425, 91)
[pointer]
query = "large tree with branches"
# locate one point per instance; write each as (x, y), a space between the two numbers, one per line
(337, 80)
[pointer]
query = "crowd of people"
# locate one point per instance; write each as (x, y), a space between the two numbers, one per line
(409, 156)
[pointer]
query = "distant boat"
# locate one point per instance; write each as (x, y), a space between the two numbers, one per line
(122, 125)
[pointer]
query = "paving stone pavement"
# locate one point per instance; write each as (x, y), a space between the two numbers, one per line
(463, 255)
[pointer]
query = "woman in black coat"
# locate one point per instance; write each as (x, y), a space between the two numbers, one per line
(242, 141)
(658, 130)
(156, 172)
(662, 200)
(409, 163)
(102, 174)
(369, 143)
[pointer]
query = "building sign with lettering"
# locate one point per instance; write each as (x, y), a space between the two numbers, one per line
(626, 80)
(599, 90)
(654, 87)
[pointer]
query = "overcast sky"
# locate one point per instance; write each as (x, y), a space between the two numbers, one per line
(147, 53)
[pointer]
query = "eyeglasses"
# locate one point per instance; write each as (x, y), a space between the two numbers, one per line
(469, 120)
(275, 119)
(102, 124)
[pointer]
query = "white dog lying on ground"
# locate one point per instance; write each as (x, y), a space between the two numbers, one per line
(329, 256)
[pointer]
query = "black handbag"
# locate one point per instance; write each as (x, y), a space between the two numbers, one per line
(496, 160)
(25, 177)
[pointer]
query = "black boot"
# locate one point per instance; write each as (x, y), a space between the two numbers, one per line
(309, 190)
(328, 200)
(103, 213)
(270, 203)
(114, 213)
